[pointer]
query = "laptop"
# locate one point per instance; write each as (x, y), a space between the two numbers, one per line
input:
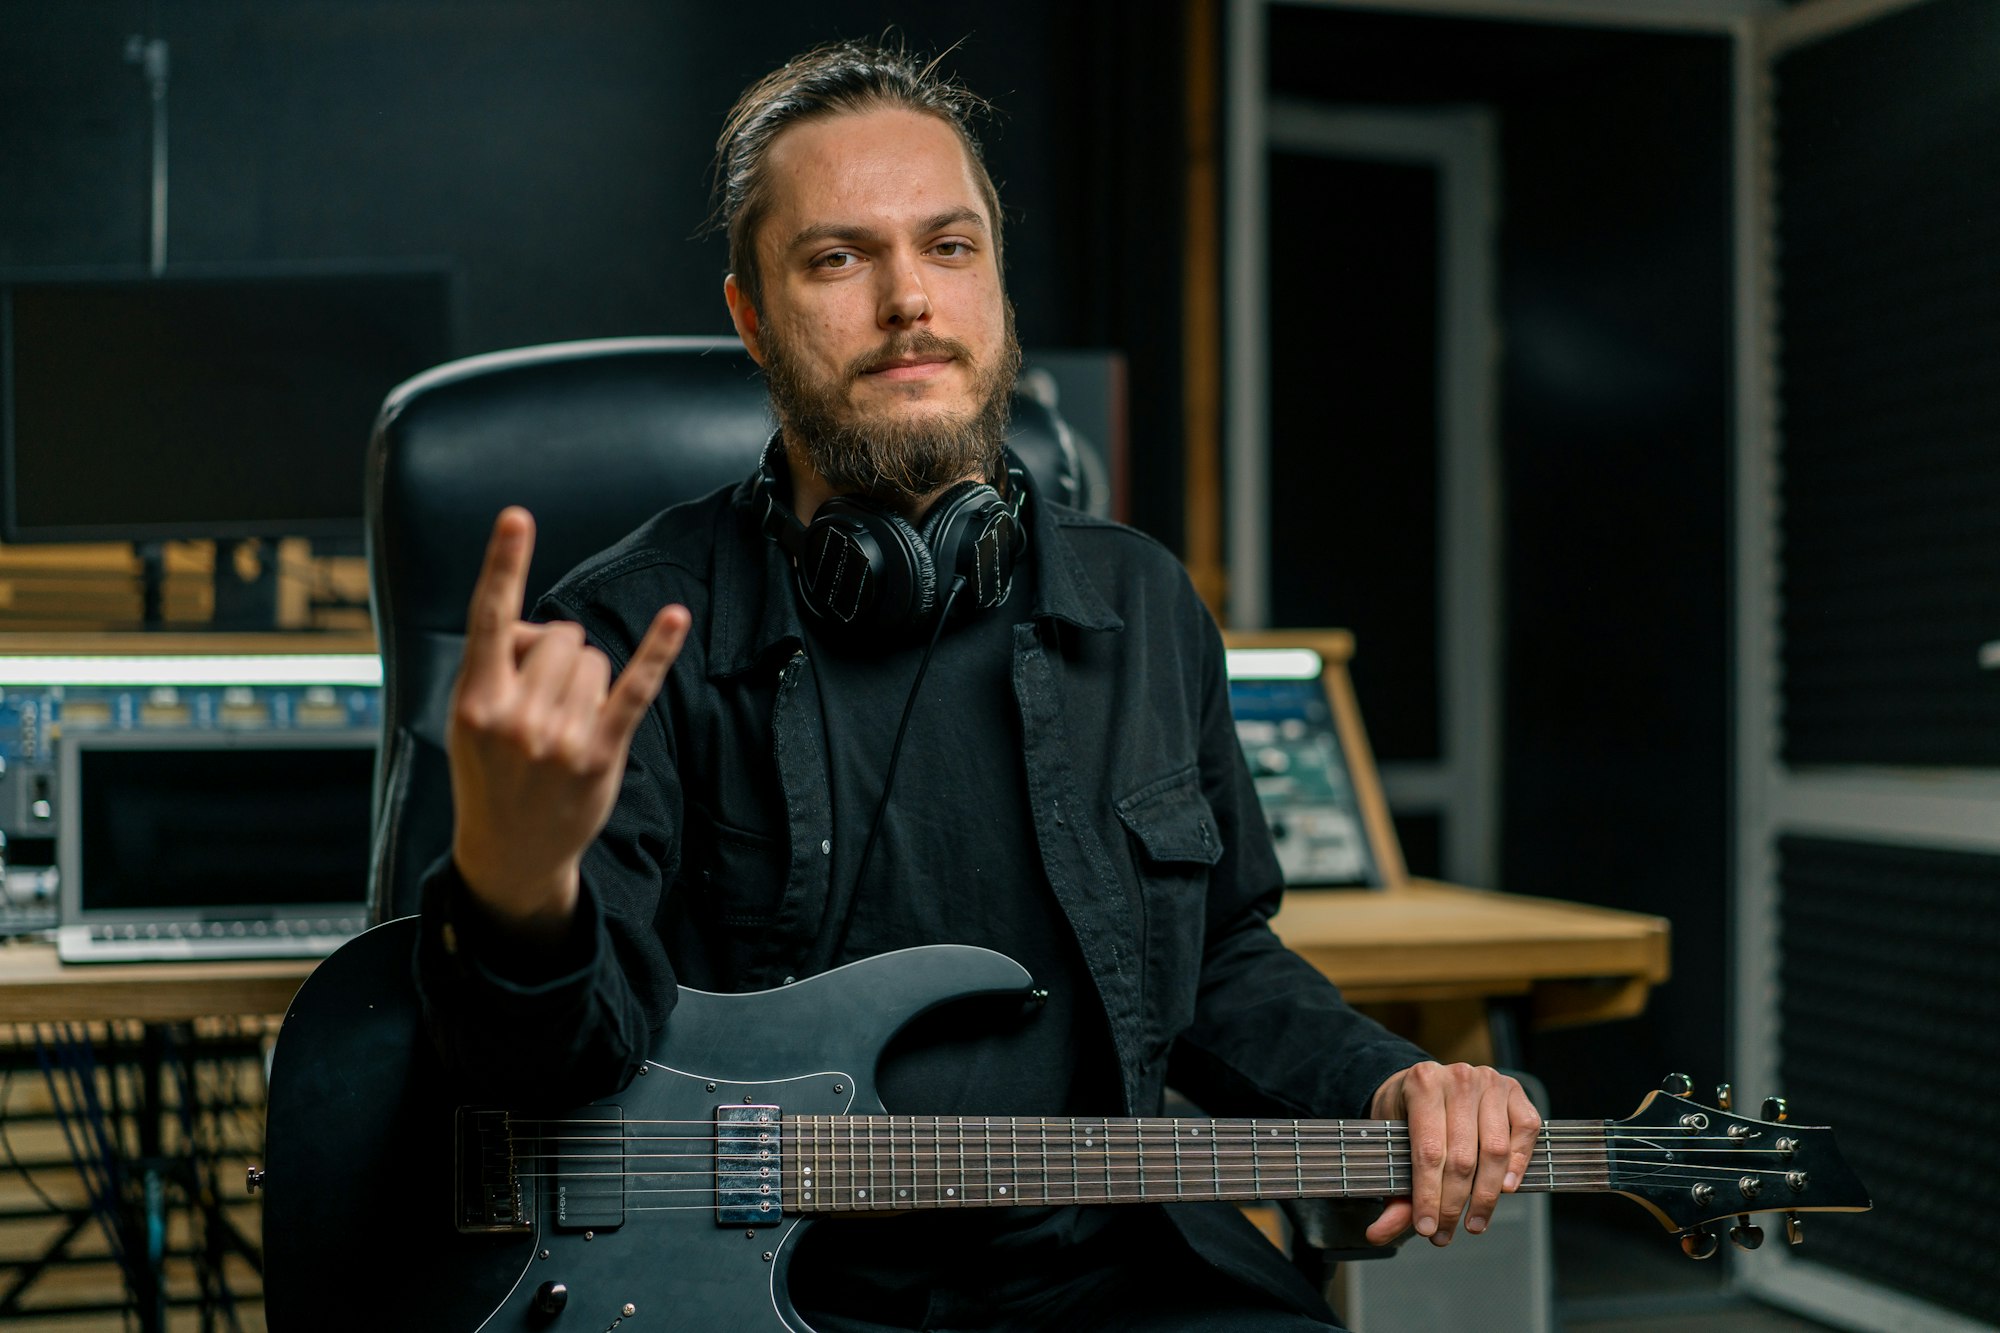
(212, 844)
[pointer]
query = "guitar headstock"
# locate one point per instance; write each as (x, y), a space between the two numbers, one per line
(1692, 1166)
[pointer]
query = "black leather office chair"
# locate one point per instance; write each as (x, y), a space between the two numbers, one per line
(593, 438)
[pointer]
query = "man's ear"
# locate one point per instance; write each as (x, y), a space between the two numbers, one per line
(743, 314)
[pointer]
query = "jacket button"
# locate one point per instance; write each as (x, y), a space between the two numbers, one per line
(826, 846)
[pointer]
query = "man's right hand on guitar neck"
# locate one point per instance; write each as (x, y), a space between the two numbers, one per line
(537, 739)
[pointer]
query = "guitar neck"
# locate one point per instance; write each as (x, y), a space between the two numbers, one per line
(888, 1162)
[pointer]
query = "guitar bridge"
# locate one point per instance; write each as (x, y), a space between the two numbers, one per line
(749, 1165)
(487, 1193)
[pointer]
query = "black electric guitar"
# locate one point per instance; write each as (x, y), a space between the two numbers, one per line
(676, 1204)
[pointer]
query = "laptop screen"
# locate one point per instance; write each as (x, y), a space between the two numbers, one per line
(188, 835)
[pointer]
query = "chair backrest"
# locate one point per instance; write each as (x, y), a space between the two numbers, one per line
(593, 438)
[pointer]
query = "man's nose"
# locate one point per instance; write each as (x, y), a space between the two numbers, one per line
(905, 303)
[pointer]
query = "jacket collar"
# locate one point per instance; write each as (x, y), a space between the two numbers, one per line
(754, 613)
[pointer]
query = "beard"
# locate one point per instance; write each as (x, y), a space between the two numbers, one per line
(896, 459)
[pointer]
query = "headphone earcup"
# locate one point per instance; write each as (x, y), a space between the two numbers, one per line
(862, 566)
(975, 534)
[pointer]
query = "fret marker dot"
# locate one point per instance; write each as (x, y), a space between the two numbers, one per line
(902, 1194)
(949, 1192)
(862, 1193)
(1003, 1189)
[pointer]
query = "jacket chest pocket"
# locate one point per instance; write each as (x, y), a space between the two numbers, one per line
(736, 876)
(1174, 842)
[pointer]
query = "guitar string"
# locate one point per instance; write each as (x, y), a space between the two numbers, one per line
(1123, 1123)
(1159, 1143)
(1189, 1183)
(860, 1129)
(1569, 1170)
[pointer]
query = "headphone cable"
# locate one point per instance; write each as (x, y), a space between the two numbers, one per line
(889, 777)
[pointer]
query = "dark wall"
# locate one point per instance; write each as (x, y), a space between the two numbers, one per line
(556, 156)
(1615, 299)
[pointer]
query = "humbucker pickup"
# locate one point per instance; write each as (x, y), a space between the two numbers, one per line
(749, 1181)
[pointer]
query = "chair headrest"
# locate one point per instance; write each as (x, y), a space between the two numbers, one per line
(593, 438)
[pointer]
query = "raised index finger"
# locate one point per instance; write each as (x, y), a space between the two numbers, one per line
(496, 598)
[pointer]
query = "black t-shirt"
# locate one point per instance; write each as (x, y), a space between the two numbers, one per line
(955, 863)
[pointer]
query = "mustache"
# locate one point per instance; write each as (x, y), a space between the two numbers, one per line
(916, 342)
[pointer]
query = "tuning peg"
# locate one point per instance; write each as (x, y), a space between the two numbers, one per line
(1746, 1234)
(1795, 1230)
(1776, 1111)
(1699, 1244)
(1678, 1085)
(1723, 1093)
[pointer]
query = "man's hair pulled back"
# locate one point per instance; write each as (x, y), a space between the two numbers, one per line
(836, 79)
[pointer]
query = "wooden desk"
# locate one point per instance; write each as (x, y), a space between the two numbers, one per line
(1428, 958)
(1425, 944)
(36, 988)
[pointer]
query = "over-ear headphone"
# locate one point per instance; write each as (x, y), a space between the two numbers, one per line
(862, 566)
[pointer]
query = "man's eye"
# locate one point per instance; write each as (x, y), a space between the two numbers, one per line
(953, 249)
(838, 259)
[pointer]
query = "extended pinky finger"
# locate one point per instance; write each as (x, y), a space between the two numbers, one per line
(639, 684)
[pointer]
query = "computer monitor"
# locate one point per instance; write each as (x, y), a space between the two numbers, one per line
(1304, 776)
(215, 406)
(212, 843)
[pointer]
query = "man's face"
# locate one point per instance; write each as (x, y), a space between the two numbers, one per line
(883, 328)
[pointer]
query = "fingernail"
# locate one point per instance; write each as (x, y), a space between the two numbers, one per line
(1475, 1225)
(1510, 1182)
(1426, 1225)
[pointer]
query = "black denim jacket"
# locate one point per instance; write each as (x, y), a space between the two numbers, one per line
(713, 869)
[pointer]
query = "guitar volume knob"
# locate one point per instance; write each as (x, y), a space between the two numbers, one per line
(550, 1298)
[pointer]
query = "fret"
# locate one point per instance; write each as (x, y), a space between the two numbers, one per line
(1299, 1159)
(1139, 1145)
(1014, 1154)
(1180, 1184)
(1341, 1132)
(937, 1154)
(986, 1127)
(1046, 1180)
(1215, 1158)
(895, 1192)
(959, 1191)
(1108, 1163)
(1077, 1179)
(1256, 1164)
(1551, 1161)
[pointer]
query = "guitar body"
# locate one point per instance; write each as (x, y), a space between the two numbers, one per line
(363, 1144)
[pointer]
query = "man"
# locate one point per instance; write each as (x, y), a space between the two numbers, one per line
(1043, 763)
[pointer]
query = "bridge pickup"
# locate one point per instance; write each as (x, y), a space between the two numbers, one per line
(587, 1148)
(749, 1185)
(487, 1189)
